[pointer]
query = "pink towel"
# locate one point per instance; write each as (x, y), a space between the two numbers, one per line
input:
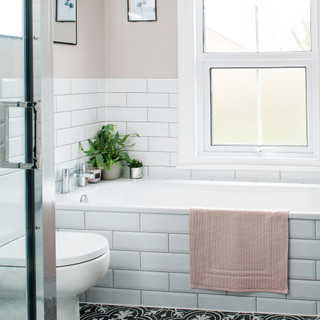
(239, 250)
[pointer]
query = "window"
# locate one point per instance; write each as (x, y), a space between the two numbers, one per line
(248, 83)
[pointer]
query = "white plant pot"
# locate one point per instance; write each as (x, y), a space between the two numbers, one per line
(112, 174)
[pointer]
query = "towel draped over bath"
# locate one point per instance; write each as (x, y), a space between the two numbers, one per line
(239, 250)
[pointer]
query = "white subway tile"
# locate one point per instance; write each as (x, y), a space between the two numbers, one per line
(120, 127)
(302, 269)
(147, 100)
(16, 147)
(127, 114)
(83, 117)
(151, 158)
(173, 100)
(83, 85)
(174, 130)
(141, 280)
(76, 151)
(95, 100)
(169, 172)
(101, 85)
(69, 219)
(147, 129)
(141, 241)
(179, 243)
(258, 294)
(227, 303)
(213, 174)
(257, 175)
(302, 229)
(71, 135)
(61, 86)
(163, 114)
(69, 103)
(124, 260)
(304, 249)
(170, 262)
(62, 154)
(301, 289)
(163, 144)
(126, 85)
(107, 280)
(286, 306)
(163, 85)
(16, 112)
(181, 282)
(174, 159)
(113, 296)
(140, 143)
(165, 223)
(16, 127)
(92, 130)
(318, 229)
(300, 176)
(11, 88)
(112, 221)
(102, 114)
(169, 299)
(62, 120)
(116, 99)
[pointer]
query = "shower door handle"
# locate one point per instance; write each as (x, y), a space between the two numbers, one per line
(31, 146)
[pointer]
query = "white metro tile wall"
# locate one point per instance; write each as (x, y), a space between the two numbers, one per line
(150, 264)
(148, 107)
(80, 111)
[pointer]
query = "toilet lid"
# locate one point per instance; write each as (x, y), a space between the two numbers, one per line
(71, 248)
(78, 247)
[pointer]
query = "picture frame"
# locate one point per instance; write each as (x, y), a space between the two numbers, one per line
(142, 10)
(66, 10)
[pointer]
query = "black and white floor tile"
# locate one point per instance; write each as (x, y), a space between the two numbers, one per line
(112, 312)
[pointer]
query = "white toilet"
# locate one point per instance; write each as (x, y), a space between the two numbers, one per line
(82, 260)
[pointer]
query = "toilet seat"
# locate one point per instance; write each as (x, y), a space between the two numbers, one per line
(75, 247)
(71, 248)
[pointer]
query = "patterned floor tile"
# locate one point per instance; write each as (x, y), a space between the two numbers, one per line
(112, 312)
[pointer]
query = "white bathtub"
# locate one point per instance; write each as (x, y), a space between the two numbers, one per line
(177, 196)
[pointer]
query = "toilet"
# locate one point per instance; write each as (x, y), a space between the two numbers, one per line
(82, 260)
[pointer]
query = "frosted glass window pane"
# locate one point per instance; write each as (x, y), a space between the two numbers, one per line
(283, 106)
(234, 106)
(11, 18)
(256, 25)
(259, 106)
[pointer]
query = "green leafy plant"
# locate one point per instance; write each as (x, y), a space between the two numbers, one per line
(135, 163)
(108, 148)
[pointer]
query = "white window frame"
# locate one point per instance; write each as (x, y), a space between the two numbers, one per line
(195, 151)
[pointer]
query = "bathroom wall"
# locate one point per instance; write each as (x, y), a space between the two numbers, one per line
(87, 58)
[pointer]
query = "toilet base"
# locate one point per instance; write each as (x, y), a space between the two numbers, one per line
(68, 307)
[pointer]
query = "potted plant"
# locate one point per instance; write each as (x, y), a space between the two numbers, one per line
(135, 169)
(107, 150)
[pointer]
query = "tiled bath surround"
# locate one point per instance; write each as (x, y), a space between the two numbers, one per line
(150, 264)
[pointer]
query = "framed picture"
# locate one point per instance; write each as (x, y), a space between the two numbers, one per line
(142, 10)
(66, 10)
